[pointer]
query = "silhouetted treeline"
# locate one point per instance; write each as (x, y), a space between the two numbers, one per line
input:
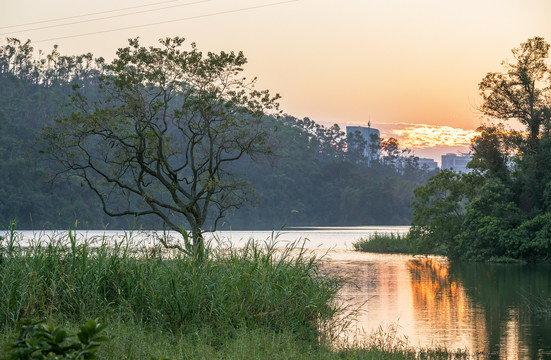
(317, 176)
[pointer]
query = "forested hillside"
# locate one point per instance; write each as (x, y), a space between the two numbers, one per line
(315, 176)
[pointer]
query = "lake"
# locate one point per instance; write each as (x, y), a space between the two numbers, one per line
(502, 311)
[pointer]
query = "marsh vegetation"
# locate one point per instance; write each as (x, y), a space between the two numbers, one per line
(259, 301)
(386, 243)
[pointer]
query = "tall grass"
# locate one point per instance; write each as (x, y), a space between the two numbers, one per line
(384, 243)
(130, 341)
(135, 343)
(248, 303)
(252, 287)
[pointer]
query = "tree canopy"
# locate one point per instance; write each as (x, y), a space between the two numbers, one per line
(502, 209)
(159, 134)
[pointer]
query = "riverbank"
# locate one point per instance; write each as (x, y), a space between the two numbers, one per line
(251, 302)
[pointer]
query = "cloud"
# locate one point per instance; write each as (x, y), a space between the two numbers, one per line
(421, 136)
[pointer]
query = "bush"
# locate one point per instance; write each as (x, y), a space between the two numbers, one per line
(46, 341)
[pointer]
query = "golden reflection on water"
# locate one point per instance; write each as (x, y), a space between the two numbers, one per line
(442, 308)
(418, 294)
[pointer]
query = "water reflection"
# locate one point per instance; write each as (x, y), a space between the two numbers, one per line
(443, 311)
(504, 292)
(434, 302)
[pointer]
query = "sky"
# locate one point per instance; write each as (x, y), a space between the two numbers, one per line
(411, 68)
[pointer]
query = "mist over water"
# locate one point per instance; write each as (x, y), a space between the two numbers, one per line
(497, 310)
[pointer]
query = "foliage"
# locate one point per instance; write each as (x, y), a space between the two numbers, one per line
(438, 210)
(27, 104)
(518, 93)
(53, 70)
(311, 172)
(160, 135)
(487, 223)
(47, 341)
(501, 209)
(355, 147)
(384, 243)
(493, 149)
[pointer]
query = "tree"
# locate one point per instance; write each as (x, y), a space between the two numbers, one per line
(501, 209)
(332, 141)
(492, 150)
(523, 91)
(439, 209)
(160, 136)
(390, 149)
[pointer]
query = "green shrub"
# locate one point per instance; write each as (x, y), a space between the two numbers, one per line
(46, 341)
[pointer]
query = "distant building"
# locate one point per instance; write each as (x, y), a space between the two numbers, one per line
(372, 136)
(428, 164)
(456, 162)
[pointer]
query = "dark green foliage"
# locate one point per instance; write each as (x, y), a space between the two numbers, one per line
(311, 176)
(438, 211)
(355, 147)
(47, 341)
(500, 211)
(492, 150)
(27, 104)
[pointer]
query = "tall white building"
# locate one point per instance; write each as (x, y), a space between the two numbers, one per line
(428, 164)
(456, 162)
(372, 136)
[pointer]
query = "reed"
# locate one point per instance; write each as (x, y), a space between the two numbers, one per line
(257, 286)
(388, 243)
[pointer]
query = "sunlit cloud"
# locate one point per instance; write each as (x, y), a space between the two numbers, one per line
(420, 136)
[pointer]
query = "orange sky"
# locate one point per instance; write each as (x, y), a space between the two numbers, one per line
(395, 62)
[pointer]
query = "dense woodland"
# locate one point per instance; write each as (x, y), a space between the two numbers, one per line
(315, 177)
(501, 211)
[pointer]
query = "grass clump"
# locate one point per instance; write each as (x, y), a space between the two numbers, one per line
(252, 287)
(264, 344)
(384, 243)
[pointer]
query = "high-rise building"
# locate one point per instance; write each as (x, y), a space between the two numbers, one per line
(372, 136)
(456, 162)
(428, 164)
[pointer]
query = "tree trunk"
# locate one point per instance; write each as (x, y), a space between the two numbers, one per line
(198, 244)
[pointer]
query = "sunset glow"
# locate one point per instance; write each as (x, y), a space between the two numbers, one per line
(420, 136)
(413, 64)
